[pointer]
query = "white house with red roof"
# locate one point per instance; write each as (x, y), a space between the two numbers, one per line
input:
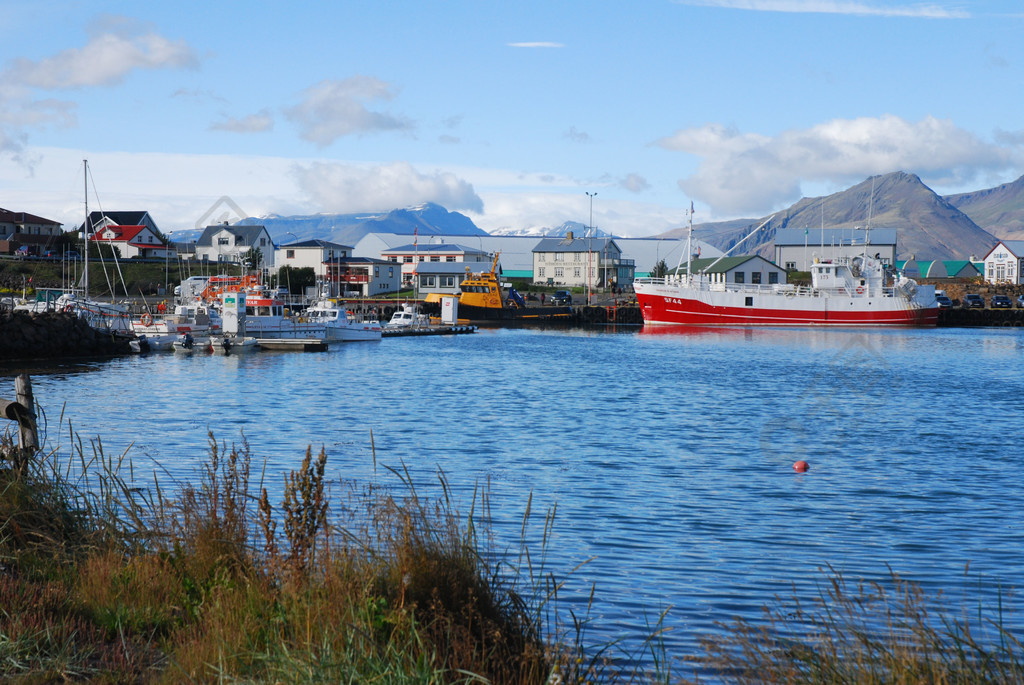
(131, 241)
(1005, 262)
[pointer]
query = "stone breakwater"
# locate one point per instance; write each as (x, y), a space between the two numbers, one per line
(53, 335)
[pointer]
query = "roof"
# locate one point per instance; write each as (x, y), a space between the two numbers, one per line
(427, 248)
(455, 267)
(1016, 248)
(9, 217)
(573, 244)
(248, 234)
(955, 266)
(316, 243)
(121, 233)
(723, 265)
(835, 236)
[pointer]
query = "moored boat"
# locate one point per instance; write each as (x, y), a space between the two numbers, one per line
(854, 291)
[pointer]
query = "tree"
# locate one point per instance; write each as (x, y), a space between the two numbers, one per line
(253, 259)
(660, 269)
(296, 280)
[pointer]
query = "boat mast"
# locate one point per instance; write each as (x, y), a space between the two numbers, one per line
(726, 254)
(85, 229)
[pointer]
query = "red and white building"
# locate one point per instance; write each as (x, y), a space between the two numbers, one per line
(132, 241)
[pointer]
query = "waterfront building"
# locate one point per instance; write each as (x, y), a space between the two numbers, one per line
(411, 255)
(1005, 262)
(797, 248)
(581, 262)
(742, 269)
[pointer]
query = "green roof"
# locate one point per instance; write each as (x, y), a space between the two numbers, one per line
(723, 265)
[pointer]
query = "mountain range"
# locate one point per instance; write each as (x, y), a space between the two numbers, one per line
(928, 225)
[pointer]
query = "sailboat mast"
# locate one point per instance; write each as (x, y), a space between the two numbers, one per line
(85, 228)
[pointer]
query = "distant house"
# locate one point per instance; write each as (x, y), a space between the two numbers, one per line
(1005, 262)
(445, 278)
(131, 241)
(411, 254)
(581, 262)
(364, 276)
(226, 243)
(23, 229)
(796, 248)
(743, 269)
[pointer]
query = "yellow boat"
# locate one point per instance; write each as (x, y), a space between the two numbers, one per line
(482, 297)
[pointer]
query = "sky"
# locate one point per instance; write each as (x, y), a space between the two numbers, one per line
(620, 115)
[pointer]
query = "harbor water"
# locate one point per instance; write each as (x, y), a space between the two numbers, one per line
(668, 452)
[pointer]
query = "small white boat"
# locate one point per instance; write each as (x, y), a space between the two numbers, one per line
(408, 315)
(339, 326)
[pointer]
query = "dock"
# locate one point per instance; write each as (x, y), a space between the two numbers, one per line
(292, 344)
(405, 331)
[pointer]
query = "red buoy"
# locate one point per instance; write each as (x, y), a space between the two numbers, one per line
(801, 466)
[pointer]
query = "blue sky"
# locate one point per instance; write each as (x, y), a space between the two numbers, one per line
(507, 112)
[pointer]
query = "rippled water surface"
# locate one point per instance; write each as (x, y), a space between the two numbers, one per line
(669, 454)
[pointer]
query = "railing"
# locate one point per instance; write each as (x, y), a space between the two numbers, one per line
(762, 288)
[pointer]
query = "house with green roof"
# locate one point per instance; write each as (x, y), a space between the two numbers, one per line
(742, 269)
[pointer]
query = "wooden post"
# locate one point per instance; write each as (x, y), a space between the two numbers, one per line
(28, 438)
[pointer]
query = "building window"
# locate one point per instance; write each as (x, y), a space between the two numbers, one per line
(391, 272)
(578, 257)
(576, 272)
(376, 271)
(559, 256)
(447, 281)
(223, 241)
(755, 277)
(559, 272)
(773, 277)
(435, 258)
(739, 277)
(427, 281)
(790, 266)
(263, 242)
(542, 256)
(289, 254)
(450, 258)
(407, 259)
(540, 271)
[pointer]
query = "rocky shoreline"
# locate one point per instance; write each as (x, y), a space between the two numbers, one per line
(54, 335)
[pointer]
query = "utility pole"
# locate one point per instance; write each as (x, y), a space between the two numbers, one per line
(590, 242)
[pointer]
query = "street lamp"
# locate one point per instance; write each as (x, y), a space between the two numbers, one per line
(590, 240)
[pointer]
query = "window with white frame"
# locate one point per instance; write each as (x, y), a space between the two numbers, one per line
(559, 256)
(559, 272)
(540, 272)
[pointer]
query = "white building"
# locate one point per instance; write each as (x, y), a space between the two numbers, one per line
(796, 248)
(1005, 262)
(131, 241)
(581, 262)
(412, 254)
(226, 243)
(743, 269)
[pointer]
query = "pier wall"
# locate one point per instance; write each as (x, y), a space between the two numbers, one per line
(53, 335)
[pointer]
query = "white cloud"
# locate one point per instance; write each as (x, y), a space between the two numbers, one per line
(635, 183)
(933, 11)
(348, 188)
(743, 173)
(254, 123)
(105, 60)
(332, 109)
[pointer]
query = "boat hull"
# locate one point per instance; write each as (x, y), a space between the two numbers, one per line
(473, 313)
(688, 306)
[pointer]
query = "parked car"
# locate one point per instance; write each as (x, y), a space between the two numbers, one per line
(1000, 302)
(973, 300)
(561, 298)
(1020, 301)
(943, 301)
